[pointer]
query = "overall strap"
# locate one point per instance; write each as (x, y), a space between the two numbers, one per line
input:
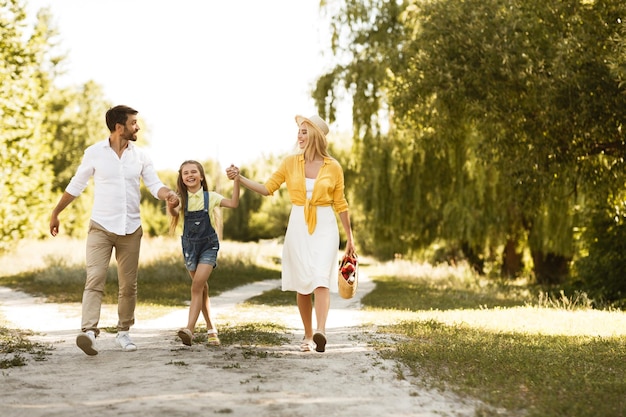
(206, 209)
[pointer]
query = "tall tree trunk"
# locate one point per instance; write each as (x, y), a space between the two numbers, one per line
(473, 257)
(550, 269)
(511, 260)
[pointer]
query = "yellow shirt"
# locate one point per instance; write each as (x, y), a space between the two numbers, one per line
(327, 191)
(196, 202)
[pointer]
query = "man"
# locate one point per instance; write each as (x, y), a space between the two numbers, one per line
(117, 166)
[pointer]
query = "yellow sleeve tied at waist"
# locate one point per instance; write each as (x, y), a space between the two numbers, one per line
(327, 191)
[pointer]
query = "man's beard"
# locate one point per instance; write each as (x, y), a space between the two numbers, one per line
(128, 135)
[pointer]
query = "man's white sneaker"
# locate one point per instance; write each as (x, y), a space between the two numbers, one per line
(123, 339)
(87, 342)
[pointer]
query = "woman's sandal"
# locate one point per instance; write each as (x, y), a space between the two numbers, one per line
(186, 336)
(320, 341)
(306, 345)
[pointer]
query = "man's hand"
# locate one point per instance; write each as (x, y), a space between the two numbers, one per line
(172, 199)
(54, 225)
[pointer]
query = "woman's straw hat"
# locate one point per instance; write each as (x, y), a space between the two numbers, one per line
(315, 121)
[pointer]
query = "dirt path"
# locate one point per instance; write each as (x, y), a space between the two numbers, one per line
(164, 378)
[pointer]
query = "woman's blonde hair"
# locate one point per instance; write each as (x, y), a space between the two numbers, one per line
(316, 145)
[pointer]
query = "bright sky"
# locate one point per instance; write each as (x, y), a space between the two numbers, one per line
(211, 79)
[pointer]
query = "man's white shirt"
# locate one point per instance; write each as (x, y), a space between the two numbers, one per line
(117, 183)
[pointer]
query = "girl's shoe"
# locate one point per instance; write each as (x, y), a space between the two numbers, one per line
(186, 336)
(212, 339)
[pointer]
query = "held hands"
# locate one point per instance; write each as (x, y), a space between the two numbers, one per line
(232, 172)
(172, 199)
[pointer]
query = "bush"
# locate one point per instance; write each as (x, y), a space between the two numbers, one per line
(602, 270)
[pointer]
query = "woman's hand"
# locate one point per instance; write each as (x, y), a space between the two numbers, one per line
(350, 249)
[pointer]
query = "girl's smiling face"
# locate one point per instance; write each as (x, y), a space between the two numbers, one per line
(192, 178)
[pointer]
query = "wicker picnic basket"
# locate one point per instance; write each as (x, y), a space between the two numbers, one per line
(348, 276)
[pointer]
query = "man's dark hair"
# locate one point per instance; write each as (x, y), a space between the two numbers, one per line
(118, 114)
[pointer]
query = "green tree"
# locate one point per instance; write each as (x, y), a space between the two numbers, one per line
(74, 120)
(26, 72)
(602, 263)
(502, 116)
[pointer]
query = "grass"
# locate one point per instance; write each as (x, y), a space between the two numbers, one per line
(275, 298)
(247, 334)
(16, 348)
(526, 374)
(518, 349)
(162, 278)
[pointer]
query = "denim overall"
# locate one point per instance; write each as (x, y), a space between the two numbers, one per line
(199, 235)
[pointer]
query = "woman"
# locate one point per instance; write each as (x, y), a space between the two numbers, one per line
(199, 241)
(315, 185)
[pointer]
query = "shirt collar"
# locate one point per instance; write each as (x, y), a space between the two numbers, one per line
(107, 144)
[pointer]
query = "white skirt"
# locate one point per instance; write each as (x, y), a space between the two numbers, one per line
(310, 261)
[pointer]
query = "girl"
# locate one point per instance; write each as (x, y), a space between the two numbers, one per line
(200, 242)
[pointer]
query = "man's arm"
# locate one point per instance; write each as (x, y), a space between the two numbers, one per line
(65, 200)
